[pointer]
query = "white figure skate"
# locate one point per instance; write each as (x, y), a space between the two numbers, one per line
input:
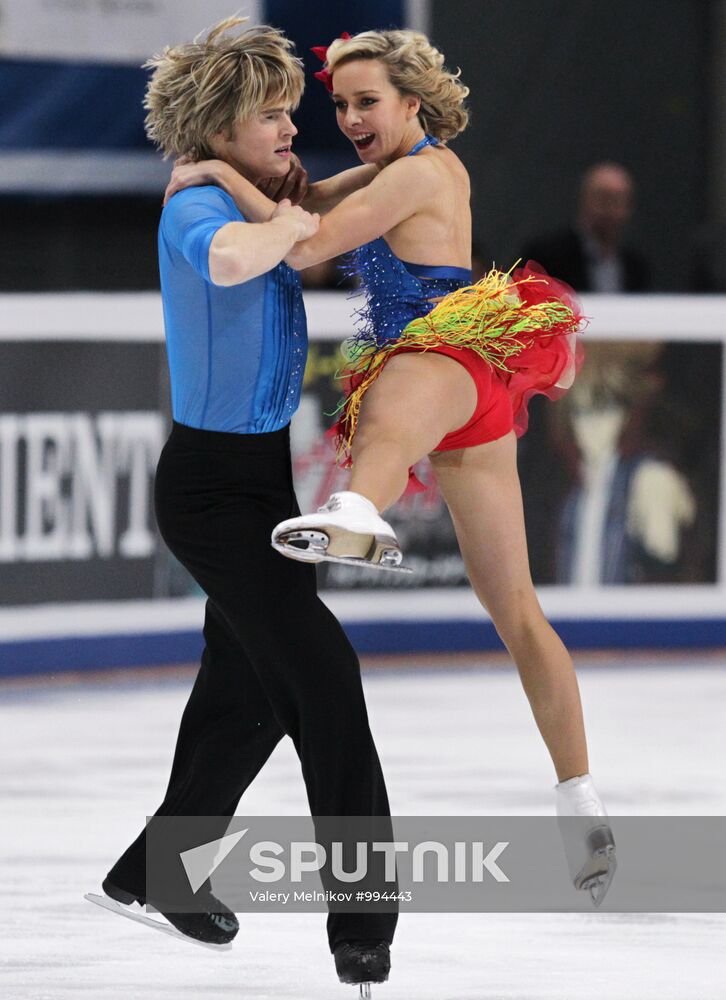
(589, 843)
(347, 529)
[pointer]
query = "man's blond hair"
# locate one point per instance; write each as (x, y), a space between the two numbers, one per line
(201, 88)
(414, 67)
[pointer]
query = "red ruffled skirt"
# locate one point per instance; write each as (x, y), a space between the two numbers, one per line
(517, 336)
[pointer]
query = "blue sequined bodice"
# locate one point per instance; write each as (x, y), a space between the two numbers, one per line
(397, 292)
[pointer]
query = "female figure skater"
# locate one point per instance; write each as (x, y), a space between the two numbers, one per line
(444, 370)
(276, 662)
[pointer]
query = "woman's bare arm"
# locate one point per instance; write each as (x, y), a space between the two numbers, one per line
(252, 203)
(258, 205)
(240, 251)
(323, 196)
(398, 192)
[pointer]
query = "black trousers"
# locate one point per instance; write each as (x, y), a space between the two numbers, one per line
(276, 661)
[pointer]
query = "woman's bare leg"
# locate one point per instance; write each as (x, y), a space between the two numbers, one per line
(417, 400)
(481, 487)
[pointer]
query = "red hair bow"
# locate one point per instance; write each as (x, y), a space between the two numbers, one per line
(321, 51)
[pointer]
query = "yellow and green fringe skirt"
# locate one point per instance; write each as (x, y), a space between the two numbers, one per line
(522, 322)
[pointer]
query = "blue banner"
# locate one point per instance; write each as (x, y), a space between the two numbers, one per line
(72, 119)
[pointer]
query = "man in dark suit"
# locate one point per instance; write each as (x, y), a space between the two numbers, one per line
(590, 254)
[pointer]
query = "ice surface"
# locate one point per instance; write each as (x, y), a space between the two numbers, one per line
(80, 766)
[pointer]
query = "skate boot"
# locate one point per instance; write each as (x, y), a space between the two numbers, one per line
(364, 963)
(347, 529)
(216, 926)
(588, 840)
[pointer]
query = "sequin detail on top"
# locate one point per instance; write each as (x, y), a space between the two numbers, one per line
(396, 292)
(283, 350)
(394, 295)
(299, 354)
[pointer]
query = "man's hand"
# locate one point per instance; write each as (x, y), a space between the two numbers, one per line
(293, 185)
(187, 173)
(307, 224)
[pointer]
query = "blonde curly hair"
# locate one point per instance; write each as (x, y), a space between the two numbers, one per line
(414, 67)
(201, 88)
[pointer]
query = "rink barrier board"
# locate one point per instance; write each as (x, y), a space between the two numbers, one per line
(89, 653)
(651, 617)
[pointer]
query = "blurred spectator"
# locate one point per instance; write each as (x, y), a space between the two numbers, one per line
(708, 259)
(590, 255)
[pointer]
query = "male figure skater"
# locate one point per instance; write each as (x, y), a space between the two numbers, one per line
(276, 661)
